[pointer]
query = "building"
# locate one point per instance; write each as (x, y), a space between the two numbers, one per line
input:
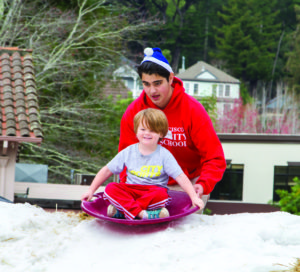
(19, 115)
(202, 79)
(257, 165)
(130, 79)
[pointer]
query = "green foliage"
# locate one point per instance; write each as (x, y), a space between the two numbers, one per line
(75, 49)
(184, 27)
(76, 44)
(292, 65)
(167, 54)
(247, 40)
(79, 136)
(290, 201)
(207, 211)
(247, 99)
(210, 105)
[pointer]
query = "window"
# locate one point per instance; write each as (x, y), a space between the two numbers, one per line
(129, 83)
(140, 85)
(227, 90)
(195, 89)
(231, 185)
(227, 108)
(220, 90)
(283, 178)
(214, 90)
(187, 87)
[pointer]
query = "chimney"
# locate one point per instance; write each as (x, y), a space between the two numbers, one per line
(182, 69)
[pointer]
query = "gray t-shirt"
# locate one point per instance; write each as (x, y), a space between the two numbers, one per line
(152, 169)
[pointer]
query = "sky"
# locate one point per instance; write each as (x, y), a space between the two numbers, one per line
(32, 239)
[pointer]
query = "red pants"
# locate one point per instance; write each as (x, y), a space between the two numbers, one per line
(131, 199)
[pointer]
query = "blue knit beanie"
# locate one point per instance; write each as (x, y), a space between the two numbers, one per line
(155, 55)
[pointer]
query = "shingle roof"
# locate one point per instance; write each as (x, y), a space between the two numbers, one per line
(200, 67)
(19, 114)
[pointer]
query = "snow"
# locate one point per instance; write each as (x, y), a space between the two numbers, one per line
(32, 239)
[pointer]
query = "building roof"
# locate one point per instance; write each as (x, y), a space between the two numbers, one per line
(280, 102)
(126, 71)
(19, 115)
(258, 138)
(202, 71)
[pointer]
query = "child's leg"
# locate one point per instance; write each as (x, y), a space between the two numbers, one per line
(153, 198)
(123, 198)
(132, 199)
(153, 203)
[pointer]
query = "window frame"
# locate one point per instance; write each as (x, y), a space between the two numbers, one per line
(221, 90)
(233, 179)
(214, 90)
(196, 89)
(187, 86)
(227, 90)
(284, 181)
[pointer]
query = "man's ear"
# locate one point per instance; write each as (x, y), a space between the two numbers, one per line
(171, 77)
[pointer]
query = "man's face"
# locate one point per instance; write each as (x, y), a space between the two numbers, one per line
(158, 89)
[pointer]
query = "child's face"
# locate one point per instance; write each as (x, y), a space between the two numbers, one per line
(158, 89)
(146, 136)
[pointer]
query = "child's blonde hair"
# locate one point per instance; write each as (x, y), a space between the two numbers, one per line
(153, 119)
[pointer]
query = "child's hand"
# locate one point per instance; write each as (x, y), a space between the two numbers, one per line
(198, 202)
(87, 196)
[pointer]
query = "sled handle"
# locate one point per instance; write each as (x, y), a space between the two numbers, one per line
(98, 195)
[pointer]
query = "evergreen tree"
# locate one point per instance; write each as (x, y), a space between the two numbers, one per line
(247, 39)
(293, 63)
(183, 27)
(293, 76)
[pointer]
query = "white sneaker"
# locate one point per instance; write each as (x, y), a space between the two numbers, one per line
(111, 210)
(114, 213)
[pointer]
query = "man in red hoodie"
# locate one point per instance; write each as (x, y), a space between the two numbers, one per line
(191, 137)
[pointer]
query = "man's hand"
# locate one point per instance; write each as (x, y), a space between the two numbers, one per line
(199, 190)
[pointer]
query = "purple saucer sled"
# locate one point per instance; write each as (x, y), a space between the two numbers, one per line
(179, 206)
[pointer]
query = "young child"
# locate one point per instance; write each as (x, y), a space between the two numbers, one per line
(148, 166)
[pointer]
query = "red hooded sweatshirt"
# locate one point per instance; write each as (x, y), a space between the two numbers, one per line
(191, 138)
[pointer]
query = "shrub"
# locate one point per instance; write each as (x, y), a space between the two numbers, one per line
(290, 201)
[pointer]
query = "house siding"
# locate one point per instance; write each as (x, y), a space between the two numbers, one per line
(260, 154)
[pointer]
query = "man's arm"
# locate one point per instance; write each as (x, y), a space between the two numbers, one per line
(127, 137)
(212, 162)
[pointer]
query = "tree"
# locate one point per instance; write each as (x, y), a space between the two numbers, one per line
(292, 65)
(78, 136)
(247, 39)
(293, 69)
(74, 51)
(210, 105)
(184, 27)
(194, 37)
(242, 118)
